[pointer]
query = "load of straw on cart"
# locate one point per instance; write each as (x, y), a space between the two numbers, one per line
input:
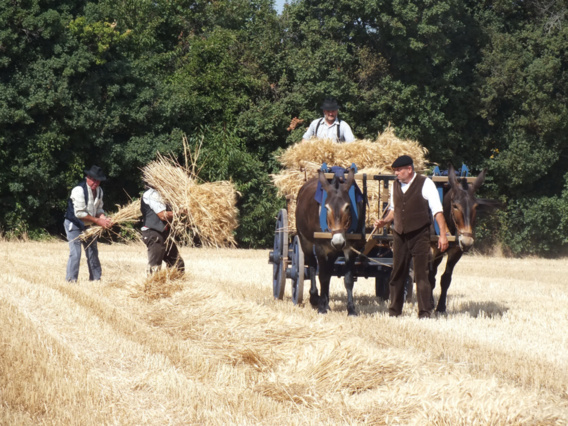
(303, 160)
(203, 212)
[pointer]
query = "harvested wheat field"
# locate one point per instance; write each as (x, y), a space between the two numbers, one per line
(214, 347)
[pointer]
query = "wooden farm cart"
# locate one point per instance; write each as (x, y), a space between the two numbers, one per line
(375, 260)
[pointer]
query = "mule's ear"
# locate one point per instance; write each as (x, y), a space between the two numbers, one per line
(324, 183)
(478, 181)
(350, 178)
(452, 176)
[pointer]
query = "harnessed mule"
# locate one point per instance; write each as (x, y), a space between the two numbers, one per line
(460, 208)
(323, 253)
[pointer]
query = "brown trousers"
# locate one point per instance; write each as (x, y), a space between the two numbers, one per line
(159, 251)
(414, 246)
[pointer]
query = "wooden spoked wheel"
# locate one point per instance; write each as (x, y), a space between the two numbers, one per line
(297, 272)
(279, 257)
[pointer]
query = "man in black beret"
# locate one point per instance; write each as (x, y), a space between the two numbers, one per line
(330, 127)
(85, 208)
(414, 201)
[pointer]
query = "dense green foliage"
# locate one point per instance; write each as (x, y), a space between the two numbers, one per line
(113, 82)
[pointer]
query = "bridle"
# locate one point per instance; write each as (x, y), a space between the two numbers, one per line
(458, 231)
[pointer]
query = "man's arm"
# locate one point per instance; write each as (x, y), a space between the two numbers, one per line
(101, 220)
(386, 220)
(443, 239)
(165, 216)
(347, 133)
(311, 132)
(80, 207)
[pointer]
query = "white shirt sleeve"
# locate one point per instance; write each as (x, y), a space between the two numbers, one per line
(154, 200)
(91, 207)
(430, 194)
(311, 132)
(79, 202)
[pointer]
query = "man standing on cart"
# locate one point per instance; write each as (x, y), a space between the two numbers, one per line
(330, 126)
(414, 201)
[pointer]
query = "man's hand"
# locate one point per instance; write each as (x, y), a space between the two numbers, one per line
(386, 220)
(443, 242)
(104, 221)
(380, 223)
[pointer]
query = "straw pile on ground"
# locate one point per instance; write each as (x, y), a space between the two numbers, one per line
(303, 160)
(126, 215)
(161, 284)
(204, 213)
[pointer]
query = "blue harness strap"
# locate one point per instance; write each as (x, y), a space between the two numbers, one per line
(355, 195)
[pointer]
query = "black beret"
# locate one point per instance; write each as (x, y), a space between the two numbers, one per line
(403, 160)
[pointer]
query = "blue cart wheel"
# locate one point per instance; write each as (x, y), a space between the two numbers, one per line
(297, 272)
(279, 257)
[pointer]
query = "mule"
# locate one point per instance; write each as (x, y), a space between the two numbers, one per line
(321, 254)
(460, 209)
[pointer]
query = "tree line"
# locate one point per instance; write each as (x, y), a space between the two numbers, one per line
(111, 82)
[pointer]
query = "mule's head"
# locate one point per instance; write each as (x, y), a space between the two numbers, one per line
(338, 208)
(463, 207)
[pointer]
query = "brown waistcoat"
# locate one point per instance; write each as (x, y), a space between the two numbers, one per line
(411, 210)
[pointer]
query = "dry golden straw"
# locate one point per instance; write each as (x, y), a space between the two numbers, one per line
(221, 350)
(161, 284)
(303, 160)
(128, 214)
(203, 212)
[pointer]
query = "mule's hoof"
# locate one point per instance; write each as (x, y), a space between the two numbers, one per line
(314, 300)
(352, 313)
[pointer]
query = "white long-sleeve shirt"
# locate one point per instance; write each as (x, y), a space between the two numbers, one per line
(91, 207)
(329, 131)
(429, 192)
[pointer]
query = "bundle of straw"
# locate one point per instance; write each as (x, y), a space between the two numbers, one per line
(201, 211)
(303, 160)
(128, 214)
(161, 284)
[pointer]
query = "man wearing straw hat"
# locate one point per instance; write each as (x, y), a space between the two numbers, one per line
(414, 201)
(85, 208)
(156, 233)
(330, 127)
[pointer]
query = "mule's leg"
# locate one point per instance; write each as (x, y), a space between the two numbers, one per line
(325, 265)
(312, 263)
(349, 280)
(433, 268)
(453, 258)
(437, 257)
(314, 296)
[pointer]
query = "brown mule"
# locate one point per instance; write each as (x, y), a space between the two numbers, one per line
(322, 253)
(460, 210)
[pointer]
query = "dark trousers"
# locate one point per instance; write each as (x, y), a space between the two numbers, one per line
(161, 249)
(414, 245)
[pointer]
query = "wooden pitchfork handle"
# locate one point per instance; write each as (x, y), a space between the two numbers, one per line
(369, 244)
(376, 227)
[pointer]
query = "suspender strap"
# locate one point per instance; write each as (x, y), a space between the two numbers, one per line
(338, 128)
